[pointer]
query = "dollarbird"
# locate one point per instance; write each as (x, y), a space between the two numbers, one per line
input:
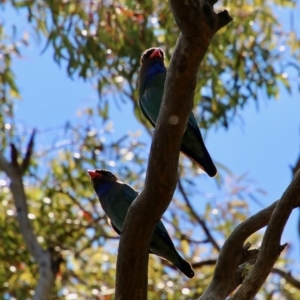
(115, 198)
(151, 89)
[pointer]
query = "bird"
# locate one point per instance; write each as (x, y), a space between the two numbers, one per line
(151, 83)
(115, 198)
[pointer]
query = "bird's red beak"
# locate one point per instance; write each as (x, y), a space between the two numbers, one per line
(156, 53)
(92, 174)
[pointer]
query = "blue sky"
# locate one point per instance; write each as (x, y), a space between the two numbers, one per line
(264, 144)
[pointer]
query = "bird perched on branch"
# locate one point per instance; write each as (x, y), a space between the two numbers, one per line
(151, 89)
(115, 198)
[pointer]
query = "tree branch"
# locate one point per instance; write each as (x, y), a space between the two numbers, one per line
(271, 248)
(43, 258)
(234, 254)
(198, 24)
(288, 277)
(200, 264)
(196, 265)
(197, 217)
(29, 151)
(224, 280)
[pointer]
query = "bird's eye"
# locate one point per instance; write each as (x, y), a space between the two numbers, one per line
(146, 55)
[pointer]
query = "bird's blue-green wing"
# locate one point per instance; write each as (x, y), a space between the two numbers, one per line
(115, 228)
(151, 98)
(193, 137)
(193, 146)
(118, 203)
(161, 230)
(192, 121)
(129, 193)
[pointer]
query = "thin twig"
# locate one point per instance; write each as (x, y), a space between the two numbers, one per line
(288, 277)
(198, 218)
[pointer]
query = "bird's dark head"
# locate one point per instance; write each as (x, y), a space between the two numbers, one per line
(152, 54)
(152, 64)
(102, 175)
(102, 181)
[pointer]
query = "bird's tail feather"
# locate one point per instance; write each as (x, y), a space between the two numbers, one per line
(185, 268)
